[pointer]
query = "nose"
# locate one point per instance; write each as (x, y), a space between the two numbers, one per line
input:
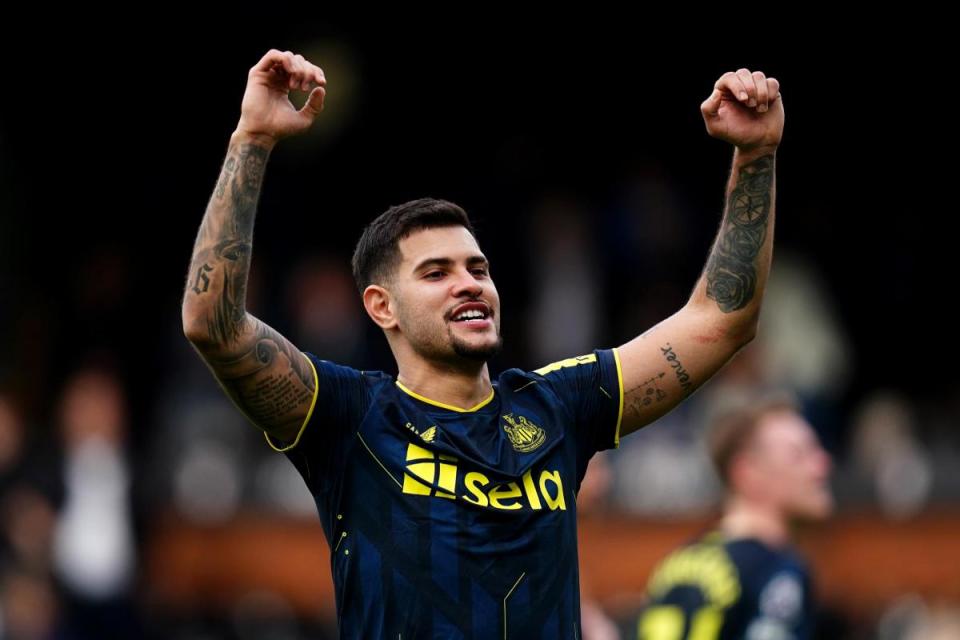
(466, 284)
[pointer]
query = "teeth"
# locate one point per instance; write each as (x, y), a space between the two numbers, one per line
(468, 315)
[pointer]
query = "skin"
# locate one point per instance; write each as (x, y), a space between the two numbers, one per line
(780, 477)
(664, 365)
(271, 380)
(437, 357)
(268, 378)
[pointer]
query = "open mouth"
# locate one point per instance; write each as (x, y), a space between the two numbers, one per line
(473, 318)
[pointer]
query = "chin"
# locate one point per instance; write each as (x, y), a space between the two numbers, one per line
(481, 352)
(819, 508)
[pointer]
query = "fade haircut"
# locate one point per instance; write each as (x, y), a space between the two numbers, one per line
(733, 426)
(377, 254)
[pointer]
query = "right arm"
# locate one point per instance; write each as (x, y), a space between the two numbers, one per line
(270, 380)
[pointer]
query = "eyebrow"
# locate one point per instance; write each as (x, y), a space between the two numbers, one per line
(446, 262)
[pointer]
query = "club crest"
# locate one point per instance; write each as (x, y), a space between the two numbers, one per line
(524, 435)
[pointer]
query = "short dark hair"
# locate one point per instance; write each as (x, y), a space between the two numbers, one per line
(377, 254)
(733, 425)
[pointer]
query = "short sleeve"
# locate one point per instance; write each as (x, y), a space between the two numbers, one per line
(591, 388)
(339, 404)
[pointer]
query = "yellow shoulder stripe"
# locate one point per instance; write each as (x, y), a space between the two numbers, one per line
(616, 437)
(567, 362)
(313, 403)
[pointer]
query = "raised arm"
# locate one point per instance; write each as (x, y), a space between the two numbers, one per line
(269, 379)
(664, 365)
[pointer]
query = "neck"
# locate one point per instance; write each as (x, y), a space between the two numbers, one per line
(462, 385)
(745, 519)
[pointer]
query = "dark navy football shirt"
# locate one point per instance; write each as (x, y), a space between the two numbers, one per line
(446, 522)
(720, 588)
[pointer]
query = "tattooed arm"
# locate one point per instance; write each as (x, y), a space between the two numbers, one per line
(270, 380)
(668, 362)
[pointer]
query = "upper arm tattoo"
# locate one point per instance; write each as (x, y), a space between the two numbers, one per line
(268, 378)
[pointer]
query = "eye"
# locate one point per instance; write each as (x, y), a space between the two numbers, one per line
(433, 273)
(481, 272)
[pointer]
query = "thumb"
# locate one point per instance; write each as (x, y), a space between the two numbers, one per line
(314, 103)
(711, 106)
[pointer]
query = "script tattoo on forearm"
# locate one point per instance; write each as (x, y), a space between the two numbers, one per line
(682, 376)
(221, 254)
(731, 269)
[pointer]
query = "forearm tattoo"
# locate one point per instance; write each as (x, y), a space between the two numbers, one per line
(731, 269)
(682, 376)
(645, 394)
(221, 254)
(268, 378)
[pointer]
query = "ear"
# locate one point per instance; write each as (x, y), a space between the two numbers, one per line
(380, 306)
(741, 473)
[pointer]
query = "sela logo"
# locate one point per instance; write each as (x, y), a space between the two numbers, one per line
(430, 474)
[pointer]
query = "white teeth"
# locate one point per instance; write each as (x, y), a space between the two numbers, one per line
(469, 315)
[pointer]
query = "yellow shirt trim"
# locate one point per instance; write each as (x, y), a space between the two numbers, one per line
(616, 357)
(443, 405)
(313, 403)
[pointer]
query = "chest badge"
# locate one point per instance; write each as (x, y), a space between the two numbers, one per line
(524, 435)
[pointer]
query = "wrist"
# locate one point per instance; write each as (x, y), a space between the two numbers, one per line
(243, 136)
(752, 153)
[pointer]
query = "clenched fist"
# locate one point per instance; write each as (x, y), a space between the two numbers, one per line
(266, 110)
(745, 109)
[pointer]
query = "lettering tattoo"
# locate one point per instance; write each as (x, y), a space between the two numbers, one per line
(270, 380)
(202, 283)
(682, 376)
(731, 269)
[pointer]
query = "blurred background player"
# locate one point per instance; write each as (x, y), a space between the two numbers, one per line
(744, 579)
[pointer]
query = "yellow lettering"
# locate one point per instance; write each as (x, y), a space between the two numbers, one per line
(664, 622)
(554, 477)
(531, 490)
(472, 481)
(448, 477)
(498, 493)
(418, 453)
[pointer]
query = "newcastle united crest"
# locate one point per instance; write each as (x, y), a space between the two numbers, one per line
(524, 435)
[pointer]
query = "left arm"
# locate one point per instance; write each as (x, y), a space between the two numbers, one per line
(664, 365)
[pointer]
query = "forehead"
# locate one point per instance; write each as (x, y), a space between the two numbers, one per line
(785, 428)
(453, 242)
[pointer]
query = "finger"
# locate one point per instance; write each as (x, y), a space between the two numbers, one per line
(732, 83)
(318, 75)
(773, 88)
(711, 106)
(763, 97)
(293, 68)
(749, 85)
(314, 103)
(305, 70)
(268, 61)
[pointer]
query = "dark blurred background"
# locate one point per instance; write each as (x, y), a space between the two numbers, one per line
(134, 497)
